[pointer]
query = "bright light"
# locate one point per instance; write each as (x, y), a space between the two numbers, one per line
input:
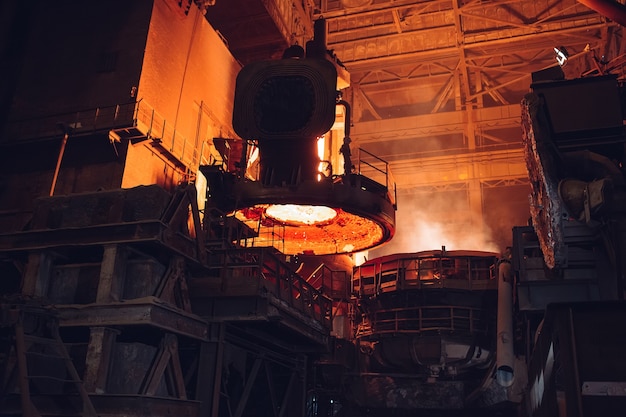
(360, 257)
(321, 142)
(561, 55)
(348, 248)
(334, 232)
(253, 155)
(300, 214)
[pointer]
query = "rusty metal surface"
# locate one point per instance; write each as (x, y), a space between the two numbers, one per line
(144, 231)
(546, 208)
(142, 311)
(141, 215)
(103, 207)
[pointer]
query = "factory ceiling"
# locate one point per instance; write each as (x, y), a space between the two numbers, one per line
(436, 85)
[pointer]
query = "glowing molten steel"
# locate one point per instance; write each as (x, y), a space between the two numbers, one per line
(297, 215)
(343, 233)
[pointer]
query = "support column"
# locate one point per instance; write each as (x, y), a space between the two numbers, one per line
(112, 274)
(37, 274)
(303, 384)
(474, 191)
(210, 371)
(98, 360)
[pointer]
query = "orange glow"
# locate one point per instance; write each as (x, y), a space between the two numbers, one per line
(344, 233)
(321, 143)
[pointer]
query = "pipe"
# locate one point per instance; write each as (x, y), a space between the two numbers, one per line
(346, 126)
(59, 159)
(608, 8)
(345, 148)
(316, 48)
(505, 355)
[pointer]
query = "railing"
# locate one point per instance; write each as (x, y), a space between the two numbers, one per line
(330, 282)
(260, 272)
(421, 272)
(423, 319)
(79, 122)
(165, 134)
(266, 237)
(136, 114)
(376, 169)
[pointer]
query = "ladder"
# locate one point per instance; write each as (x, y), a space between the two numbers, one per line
(36, 346)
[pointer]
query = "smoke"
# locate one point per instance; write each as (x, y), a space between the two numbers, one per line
(428, 221)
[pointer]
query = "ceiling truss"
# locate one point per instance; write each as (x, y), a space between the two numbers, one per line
(446, 64)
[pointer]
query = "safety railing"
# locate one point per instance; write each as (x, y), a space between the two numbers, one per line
(165, 135)
(333, 283)
(263, 272)
(376, 169)
(425, 270)
(78, 122)
(422, 319)
(265, 237)
(138, 115)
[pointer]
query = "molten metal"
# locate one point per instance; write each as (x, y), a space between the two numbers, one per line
(297, 215)
(343, 233)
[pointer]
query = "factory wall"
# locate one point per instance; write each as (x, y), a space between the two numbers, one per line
(188, 79)
(161, 66)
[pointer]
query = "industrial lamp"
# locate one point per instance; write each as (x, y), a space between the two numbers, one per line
(561, 55)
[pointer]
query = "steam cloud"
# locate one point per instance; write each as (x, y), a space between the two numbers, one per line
(424, 222)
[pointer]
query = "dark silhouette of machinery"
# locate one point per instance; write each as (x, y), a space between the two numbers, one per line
(570, 262)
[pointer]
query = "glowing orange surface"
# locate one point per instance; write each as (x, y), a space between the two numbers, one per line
(345, 233)
(300, 215)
